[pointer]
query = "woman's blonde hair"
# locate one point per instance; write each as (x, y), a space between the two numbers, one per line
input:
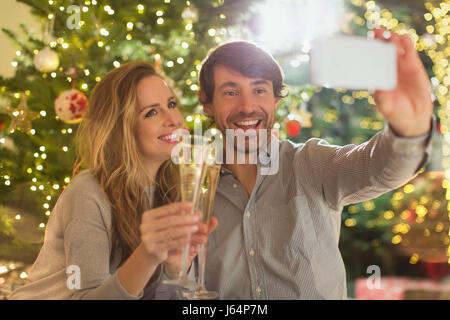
(107, 145)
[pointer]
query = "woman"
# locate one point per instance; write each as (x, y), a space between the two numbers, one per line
(102, 240)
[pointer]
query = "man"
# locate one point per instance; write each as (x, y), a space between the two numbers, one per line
(278, 233)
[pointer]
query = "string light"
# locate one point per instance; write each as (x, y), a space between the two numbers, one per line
(433, 43)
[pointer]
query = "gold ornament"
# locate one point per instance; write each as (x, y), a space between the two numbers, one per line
(305, 115)
(21, 117)
(302, 115)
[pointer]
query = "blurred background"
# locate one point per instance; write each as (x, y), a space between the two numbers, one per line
(58, 48)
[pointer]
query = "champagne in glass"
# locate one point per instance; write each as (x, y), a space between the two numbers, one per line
(211, 174)
(190, 160)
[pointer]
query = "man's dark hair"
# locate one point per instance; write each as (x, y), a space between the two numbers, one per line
(244, 58)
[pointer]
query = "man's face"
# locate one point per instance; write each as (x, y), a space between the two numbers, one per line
(242, 103)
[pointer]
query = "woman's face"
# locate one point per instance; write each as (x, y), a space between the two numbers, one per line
(158, 117)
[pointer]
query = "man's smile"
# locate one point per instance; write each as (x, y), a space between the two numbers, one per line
(248, 124)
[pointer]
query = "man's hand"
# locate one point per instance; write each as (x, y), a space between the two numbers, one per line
(407, 108)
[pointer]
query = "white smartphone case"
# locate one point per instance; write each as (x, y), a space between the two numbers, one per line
(353, 63)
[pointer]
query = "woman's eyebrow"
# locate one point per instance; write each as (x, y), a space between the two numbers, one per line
(150, 106)
(157, 104)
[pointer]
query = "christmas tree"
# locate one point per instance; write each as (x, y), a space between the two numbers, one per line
(82, 42)
(80, 45)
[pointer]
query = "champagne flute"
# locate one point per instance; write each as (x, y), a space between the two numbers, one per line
(210, 179)
(190, 159)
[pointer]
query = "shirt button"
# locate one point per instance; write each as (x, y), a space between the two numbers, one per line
(247, 214)
(234, 185)
(258, 290)
(251, 252)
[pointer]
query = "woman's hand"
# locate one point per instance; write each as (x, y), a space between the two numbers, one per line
(166, 228)
(173, 261)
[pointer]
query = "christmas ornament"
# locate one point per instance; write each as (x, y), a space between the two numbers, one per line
(46, 60)
(21, 117)
(8, 143)
(71, 106)
(293, 125)
(297, 119)
(2, 124)
(190, 14)
(305, 115)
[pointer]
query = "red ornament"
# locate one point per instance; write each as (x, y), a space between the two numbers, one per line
(71, 106)
(2, 124)
(293, 128)
(412, 215)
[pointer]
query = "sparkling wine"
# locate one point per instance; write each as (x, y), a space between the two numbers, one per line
(210, 181)
(190, 175)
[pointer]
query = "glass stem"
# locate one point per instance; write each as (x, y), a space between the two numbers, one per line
(184, 258)
(202, 264)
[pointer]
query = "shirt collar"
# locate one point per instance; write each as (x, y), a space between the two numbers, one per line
(271, 151)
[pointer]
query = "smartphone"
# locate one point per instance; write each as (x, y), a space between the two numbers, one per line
(353, 63)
